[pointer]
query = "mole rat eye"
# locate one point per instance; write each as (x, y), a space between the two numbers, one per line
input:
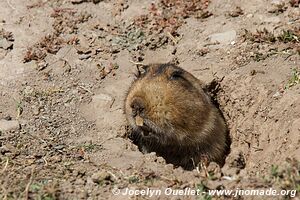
(176, 75)
(137, 106)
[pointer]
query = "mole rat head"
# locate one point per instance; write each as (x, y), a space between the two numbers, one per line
(163, 101)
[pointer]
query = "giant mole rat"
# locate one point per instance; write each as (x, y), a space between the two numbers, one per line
(170, 114)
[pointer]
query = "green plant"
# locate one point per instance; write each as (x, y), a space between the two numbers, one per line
(295, 79)
(288, 36)
(274, 170)
(35, 187)
(133, 179)
(19, 109)
(202, 191)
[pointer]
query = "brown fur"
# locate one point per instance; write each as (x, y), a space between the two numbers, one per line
(179, 121)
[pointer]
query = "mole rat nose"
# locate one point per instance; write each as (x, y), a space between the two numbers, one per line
(138, 106)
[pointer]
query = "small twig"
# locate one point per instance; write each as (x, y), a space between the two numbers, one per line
(113, 175)
(166, 178)
(136, 63)
(112, 103)
(206, 68)
(257, 149)
(105, 140)
(28, 184)
(5, 166)
(175, 41)
(289, 55)
(86, 90)
(228, 178)
(7, 1)
(66, 62)
(44, 159)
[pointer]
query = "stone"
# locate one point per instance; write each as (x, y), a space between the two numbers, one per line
(4, 44)
(277, 2)
(8, 148)
(273, 19)
(276, 95)
(99, 177)
(28, 91)
(102, 101)
(223, 38)
(9, 125)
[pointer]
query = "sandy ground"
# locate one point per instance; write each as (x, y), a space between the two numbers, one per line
(65, 67)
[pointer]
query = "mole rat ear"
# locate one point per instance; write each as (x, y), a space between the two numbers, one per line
(141, 69)
(175, 73)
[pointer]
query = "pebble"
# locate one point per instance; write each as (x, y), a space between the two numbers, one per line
(277, 94)
(101, 176)
(6, 125)
(84, 56)
(223, 38)
(8, 148)
(28, 91)
(102, 101)
(277, 2)
(35, 110)
(4, 44)
(274, 19)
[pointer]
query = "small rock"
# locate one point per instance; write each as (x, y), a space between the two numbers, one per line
(42, 65)
(79, 181)
(36, 110)
(202, 51)
(84, 47)
(4, 44)
(8, 118)
(55, 159)
(9, 125)
(101, 176)
(277, 2)
(278, 7)
(28, 91)
(237, 12)
(277, 94)
(294, 12)
(102, 101)
(4, 150)
(84, 56)
(8, 148)
(59, 147)
(274, 20)
(223, 38)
